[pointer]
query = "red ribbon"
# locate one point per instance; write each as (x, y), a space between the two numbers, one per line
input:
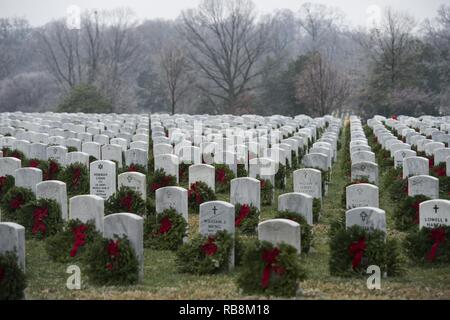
(243, 213)
(438, 236)
(270, 258)
(127, 202)
(34, 163)
(53, 169)
(431, 162)
(39, 215)
(263, 184)
(165, 226)
(2, 274)
(132, 168)
(194, 191)
(113, 252)
(80, 239)
(356, 249)
(76, 176)
(155, 186)
(17, 202)
(210, 247)
(221, 176)
(16, 155)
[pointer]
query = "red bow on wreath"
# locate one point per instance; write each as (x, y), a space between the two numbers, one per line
(431, 162)
(127, 202)
(53, 168)
(243, 213)
(440, 171)
(2, 274)
(165, 225)
(113, 252)
(196, 192)
(438, 236)
(39, 215)
(76, 176)
(356, 249)
(221, 176)
(210, 247)
(80, 239)
(263, 184)
(132, 168)
(34, 163)
(16, 203)
(16, 155)
(270, 258)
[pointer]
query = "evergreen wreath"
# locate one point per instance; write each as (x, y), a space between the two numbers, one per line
(246, 218)
(72, 149)
(354, 249)
(133, 168)
(12, 279)
(198, 193)
(125, 200)
(38, 164)
(266, 191)
(306, 230)
(241, 172)
(54, 170)
(160, 180)
(439, 170)
(406, 215)
(6, 183)
(270, 270)
(205, 254)
(41, 218)
(165, 231)
(76, 177)
(398, 189)
(13, 200)
(280, 177)
(7, 152)
(223, 177)
(183, 172)
(429, 245)
(72, 242)
(112, 262)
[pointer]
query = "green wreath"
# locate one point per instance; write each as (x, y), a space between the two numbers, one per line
(76, 178)
(72, 242)
(429, 245)
(205, 254)
(6, 183)
(241, 172)
(270, 270)
(406, 215)
(306, 230)
(112, 262)
(198, 193)
(7, 152)
(354, 249)
(398, 189)
(125, 200)
(183, 172)
(266, 191)
(38, 164)
(160, 180)
(72, 149)
(41, 218)
(12, 279)
(246, 218)
(223, 177)
(13, 200)
(165, 231)
(54, 170)
(133, 168)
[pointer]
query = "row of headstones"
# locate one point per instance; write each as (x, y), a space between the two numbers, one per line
(363, 165)
(415, 169)
(58, 151)
(432, 213)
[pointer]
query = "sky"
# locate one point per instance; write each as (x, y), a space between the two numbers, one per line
(358, 12)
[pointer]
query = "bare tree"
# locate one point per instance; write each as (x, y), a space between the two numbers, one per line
(175, 68)
(321, 87)
(226, 44)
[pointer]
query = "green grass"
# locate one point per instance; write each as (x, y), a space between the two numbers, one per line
(47, 280)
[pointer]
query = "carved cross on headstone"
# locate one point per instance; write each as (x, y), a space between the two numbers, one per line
(215, 209)
(436, 208)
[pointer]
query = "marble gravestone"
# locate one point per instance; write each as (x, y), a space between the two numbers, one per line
(365, 170)
(55, 190)
(102, 178)
(169, 163)
(12, 239)
(136, 181)
(308, 181)
(8, 166)
(299, 203)
(246, 191)
(434, 213)
(277, 231)
(172, 198)
(204, 173)
(427, 186)
(362, 195)
(28, 178)
(367, 217)
(415, 166)
(88, 208)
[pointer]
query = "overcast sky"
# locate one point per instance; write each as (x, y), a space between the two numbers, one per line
(357, 12)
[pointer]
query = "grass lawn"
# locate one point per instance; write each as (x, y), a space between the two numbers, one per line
(47, 280)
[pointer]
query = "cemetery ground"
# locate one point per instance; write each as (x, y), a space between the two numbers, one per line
(47, 279)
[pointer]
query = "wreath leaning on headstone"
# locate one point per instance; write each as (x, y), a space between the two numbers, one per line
(429, 244)
(306, 230)
(76, 177)
(125, 200)
(270, 270)
(13, 200)
(223, 177)
(266, 191)
(161, 179)
(241, 172)
(6, 183)
(41, 218)
(164, 231)
(199, 192)
(354, 249)
(112, 262)
(12, 279)
(133, 168)
(38, 164)
(71, 243)
(205, 254)
(246, 218)
(406, 215)
(7, 152)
